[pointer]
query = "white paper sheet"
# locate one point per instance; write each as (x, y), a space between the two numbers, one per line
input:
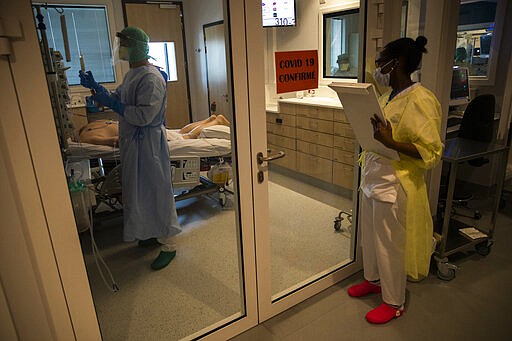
(360, 103)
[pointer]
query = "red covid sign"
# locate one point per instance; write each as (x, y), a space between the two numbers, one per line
(296, 70)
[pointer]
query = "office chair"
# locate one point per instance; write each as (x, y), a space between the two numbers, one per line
(476, 124)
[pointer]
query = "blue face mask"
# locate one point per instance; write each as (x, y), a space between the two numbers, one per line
(382, 78)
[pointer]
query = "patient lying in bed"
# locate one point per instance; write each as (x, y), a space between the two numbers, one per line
(106, 132)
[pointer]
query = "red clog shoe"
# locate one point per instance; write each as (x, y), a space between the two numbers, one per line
(363, 289)
(383, 314)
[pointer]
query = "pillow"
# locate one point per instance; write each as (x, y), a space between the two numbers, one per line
(216, 131)
(173, 135)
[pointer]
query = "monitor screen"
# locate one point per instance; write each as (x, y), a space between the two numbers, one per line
(485, 43)
(278, 13)
(460, 84)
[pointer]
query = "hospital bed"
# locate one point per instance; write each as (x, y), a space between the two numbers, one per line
(189, 157)
(202, 147)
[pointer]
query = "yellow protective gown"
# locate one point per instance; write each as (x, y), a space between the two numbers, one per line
(415, 117)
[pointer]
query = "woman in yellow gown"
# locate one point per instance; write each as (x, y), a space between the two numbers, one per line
(396, 224)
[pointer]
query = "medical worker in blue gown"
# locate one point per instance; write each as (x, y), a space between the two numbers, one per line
(148, 202)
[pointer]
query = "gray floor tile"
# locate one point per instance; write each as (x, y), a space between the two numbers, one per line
(475, 305)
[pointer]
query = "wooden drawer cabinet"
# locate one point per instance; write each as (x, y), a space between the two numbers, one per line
(344, 143)
(315, 137)
(288, 161)
(315, 124)
(318, 142)
(282, 119)
(281, 130)
(281, 141)
(314, 112)
(343, 156)
(343, 175)
(343, 129)
(286, 108)
(339, 116)
(315, 149)
(325, 113)
(316, 167)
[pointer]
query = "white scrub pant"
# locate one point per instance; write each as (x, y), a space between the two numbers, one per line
(168, 244)
(383, 242)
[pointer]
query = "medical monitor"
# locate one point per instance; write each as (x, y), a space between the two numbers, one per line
(459, 93)
(485, 44)
(278, 13)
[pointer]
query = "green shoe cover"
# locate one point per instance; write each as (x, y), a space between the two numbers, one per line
(163, 259)
(151, 242)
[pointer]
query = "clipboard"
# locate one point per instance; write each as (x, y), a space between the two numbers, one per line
(360, 103)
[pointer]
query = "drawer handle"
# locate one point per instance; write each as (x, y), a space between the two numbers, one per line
(279, 120)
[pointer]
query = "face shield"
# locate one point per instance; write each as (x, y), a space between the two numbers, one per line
(120, 52)
(130, 49)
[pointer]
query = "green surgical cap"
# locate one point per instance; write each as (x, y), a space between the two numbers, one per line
(137, 41)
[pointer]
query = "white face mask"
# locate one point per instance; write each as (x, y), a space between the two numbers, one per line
(382, 78)
(123, 53)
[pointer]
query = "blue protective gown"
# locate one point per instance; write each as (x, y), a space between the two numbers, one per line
(148, 202)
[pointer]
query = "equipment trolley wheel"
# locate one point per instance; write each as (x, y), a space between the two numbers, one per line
(484, 248)
(447, 275)
(342, 216)
(222, 197)
(445, 270)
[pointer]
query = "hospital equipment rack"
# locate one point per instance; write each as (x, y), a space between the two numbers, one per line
(186, 174)
(459, 150)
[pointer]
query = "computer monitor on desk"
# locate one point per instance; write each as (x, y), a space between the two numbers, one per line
(459, 94)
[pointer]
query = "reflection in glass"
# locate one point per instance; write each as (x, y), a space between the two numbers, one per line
(310, 192)
(164, 55)
(203, 285)
(474, 36)
(341, 44)
(87, 34)
(311, 189)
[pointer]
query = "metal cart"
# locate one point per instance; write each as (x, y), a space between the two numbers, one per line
(458, 150)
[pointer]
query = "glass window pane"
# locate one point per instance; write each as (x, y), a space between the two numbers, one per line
(164, 56)
(341, 44)
(311, 189)
(474, 36)
(202, 288)
(88, 34)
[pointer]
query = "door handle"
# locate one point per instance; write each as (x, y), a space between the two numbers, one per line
(260, 159)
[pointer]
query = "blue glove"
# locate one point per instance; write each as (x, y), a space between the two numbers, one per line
(87, 81)
(107, 100)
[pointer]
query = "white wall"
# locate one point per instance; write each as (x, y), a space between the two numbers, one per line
(304, 36)
(197, 13)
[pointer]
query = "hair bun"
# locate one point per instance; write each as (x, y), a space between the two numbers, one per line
(420, 42)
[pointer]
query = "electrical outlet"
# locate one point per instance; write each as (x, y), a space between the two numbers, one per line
(77, 101)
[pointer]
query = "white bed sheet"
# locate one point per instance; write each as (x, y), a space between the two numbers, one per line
(203, 147)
